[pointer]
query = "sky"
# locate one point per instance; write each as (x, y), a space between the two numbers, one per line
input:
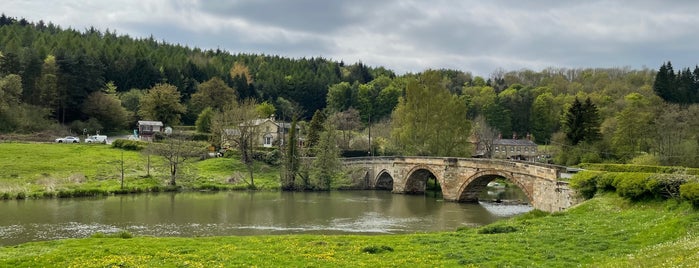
(405, 36)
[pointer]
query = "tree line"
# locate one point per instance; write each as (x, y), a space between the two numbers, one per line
(97, 79)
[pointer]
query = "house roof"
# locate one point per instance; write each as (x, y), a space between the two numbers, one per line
(512, 142)
(150, 123)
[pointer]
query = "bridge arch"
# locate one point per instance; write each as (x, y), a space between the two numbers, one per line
(416, 181)
(476, 183)
(384, 181)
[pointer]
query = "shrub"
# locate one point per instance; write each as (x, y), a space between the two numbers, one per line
(690, 192)
(498, 228)
(585, 183)
(633, 185)
(129, 145)
(640, 168)
(376, 249)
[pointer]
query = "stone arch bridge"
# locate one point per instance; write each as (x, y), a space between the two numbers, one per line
(462, 179)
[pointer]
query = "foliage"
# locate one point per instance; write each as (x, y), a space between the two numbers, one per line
(497, 229)
(213, 94)
(327, 161)
(632, 185)
(291, 160)
(176, 152)
(204, 120)
(640, 168)
(52, 74)
(315, 128)
(431, 121)
(265, 109)
(582, 122)
(105, 107)
(236, 125)
(377, 249)
(129, 144)
(690, 192)
(681, 87)
(162, 103)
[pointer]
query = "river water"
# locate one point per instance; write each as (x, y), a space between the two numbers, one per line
(192, 214)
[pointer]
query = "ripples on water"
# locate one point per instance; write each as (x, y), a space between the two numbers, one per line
(342, 213)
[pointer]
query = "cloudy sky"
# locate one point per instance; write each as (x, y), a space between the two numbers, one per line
(405, 35)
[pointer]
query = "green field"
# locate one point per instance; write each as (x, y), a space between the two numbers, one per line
(32, 170)
(606, 231)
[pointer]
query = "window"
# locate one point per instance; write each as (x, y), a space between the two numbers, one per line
(512, 149)
(497, 149)
(268, 140)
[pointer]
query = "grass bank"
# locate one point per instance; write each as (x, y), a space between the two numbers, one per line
(606, 231)
(35, 170)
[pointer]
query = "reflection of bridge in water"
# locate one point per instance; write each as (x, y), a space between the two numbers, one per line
(462, 179)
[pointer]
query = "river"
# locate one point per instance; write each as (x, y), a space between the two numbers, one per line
(191, 214)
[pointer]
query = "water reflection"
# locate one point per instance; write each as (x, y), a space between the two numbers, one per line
(241, 213)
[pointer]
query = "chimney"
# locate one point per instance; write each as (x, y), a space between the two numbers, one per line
(514, 135)
(499, 136)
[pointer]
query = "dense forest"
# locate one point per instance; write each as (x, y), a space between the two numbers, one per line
(53, 78)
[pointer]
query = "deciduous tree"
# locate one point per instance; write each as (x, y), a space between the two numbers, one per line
(162, 102)
(429, 120)
(176, 153)
(236, 125)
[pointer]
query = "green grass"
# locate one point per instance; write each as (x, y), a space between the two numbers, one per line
(606, 231)
(47, 170)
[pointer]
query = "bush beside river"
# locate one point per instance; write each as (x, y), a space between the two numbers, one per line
(606, 231)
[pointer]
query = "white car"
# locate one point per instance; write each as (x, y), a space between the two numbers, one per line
(68, 139)
(96, 139)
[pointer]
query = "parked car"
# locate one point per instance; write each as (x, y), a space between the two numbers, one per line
(96, 139)
(68, 139)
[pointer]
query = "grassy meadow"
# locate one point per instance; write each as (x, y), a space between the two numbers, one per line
(33, 170)
(606, 231)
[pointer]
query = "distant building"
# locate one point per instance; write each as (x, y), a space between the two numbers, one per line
(147, 129)
(269, 132)
(515, 149)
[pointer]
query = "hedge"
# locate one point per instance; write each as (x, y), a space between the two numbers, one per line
(690, 192)
(129, 144)
(640, 168)
(631, 185)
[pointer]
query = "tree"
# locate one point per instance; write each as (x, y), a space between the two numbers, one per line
(213, 93)
(582, 122)
(316, 126)
(203, 124)
(346, 121)
(265, 109)
(485, 136)
(236, 125)
(176, 152)
(48, 84)
(545, 117)
(291, 160)
(10, 90)
(162, 102)
(327, 161)
(105, 107)
(429, 120)
(343, 96)
(634, 124)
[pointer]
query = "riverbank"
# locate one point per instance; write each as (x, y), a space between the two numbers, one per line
(39, 170)
(606, 231)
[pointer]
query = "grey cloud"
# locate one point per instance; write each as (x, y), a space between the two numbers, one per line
(406, 35)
